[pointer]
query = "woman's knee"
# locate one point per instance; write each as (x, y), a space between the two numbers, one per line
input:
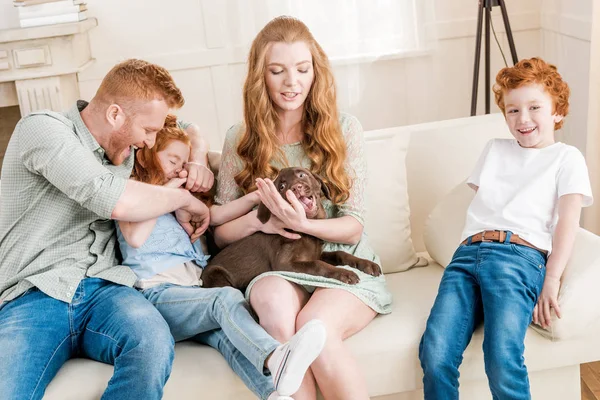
(277, 303)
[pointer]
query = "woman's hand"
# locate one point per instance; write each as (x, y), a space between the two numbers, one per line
(291, 214)
(548, 300)
(274, 226)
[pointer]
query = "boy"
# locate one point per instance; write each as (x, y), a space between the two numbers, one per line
(518, 237)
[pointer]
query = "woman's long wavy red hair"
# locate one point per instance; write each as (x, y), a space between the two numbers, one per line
(323, 141)
(147, 167)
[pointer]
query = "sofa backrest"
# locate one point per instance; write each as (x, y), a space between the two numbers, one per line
(439, 156)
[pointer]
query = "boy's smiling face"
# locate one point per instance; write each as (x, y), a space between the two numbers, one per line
(530, 116)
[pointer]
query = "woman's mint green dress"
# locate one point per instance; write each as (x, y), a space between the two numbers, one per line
(371, 290)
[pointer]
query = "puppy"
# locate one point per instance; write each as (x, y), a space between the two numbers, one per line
(240, 262)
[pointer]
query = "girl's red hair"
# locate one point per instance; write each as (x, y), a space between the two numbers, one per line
(147, 167)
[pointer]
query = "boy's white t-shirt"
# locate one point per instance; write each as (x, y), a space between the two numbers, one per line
(519, 189)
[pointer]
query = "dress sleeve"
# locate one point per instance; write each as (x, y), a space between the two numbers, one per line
(356, 167)
(230, 166)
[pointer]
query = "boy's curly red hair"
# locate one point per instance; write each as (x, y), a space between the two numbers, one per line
(534, 71)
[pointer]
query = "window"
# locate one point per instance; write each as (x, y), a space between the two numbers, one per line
(346, 29)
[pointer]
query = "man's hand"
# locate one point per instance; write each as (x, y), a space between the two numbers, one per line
(548, 300)
(199, 177)
(194, 218)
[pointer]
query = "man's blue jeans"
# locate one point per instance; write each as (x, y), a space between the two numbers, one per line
(498, 283)
(218, 317)
(106, 322)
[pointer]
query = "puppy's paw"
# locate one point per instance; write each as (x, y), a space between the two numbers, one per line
(345, 276)
(368, 267)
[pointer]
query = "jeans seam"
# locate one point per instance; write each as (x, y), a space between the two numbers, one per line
(463, 329)
(71, 326)
(105, 335)
(46, 366)
(262, 354)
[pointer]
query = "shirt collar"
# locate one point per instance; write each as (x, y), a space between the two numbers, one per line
(74, 114)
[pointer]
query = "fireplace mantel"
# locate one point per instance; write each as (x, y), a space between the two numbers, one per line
(39, 66)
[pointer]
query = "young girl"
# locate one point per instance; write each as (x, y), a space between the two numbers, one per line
(168, 266)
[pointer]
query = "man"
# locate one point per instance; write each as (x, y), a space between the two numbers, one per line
(62, 294)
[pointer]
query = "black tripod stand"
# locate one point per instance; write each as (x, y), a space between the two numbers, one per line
(487, 6)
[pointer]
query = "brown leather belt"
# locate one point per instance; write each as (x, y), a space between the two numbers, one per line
(500, 236)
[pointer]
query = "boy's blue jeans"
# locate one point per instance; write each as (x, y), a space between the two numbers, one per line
(497, 283)
(220, 318)
(106, 322)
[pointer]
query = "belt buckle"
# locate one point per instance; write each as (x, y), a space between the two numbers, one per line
(483, 239)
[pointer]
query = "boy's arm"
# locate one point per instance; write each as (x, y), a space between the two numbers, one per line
(234, 209)
(569, 213)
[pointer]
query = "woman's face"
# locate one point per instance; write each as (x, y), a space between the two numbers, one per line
(172, 158)
(289, 75)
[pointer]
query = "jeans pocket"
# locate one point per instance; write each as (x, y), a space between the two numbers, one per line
(535, 257)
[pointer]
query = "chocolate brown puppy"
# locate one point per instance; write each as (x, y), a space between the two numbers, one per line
(240, 262)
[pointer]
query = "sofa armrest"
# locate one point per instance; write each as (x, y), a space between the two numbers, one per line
(579, 297)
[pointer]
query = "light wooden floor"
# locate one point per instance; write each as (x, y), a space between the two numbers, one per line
(590, 381)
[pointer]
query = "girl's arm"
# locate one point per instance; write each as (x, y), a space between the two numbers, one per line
(200, 177)
(569, 213)
(234, 209)
(248, 224)
(136, 233)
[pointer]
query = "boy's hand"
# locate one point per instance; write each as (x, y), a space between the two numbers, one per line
(548, 300)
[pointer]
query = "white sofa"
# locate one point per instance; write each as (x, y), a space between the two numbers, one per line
(439, 156)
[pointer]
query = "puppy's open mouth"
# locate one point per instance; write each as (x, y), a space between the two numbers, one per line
(309, 204)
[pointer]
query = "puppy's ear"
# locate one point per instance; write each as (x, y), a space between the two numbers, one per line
(324, 187)
(263, 213)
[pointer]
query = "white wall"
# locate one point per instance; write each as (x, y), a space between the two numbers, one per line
(591, 216)
(565, 36)
(185, 37)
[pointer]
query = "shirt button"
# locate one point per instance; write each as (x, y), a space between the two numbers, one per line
(68, 294)
(100, 151)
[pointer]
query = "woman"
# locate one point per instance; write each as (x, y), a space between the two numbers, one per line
(291, 119)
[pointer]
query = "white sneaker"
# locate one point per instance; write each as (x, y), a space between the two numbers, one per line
(276, 396)
(289, 361)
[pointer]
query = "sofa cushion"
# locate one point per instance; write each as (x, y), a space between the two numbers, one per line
(578, 296)
(446, 222)
(387, 219)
